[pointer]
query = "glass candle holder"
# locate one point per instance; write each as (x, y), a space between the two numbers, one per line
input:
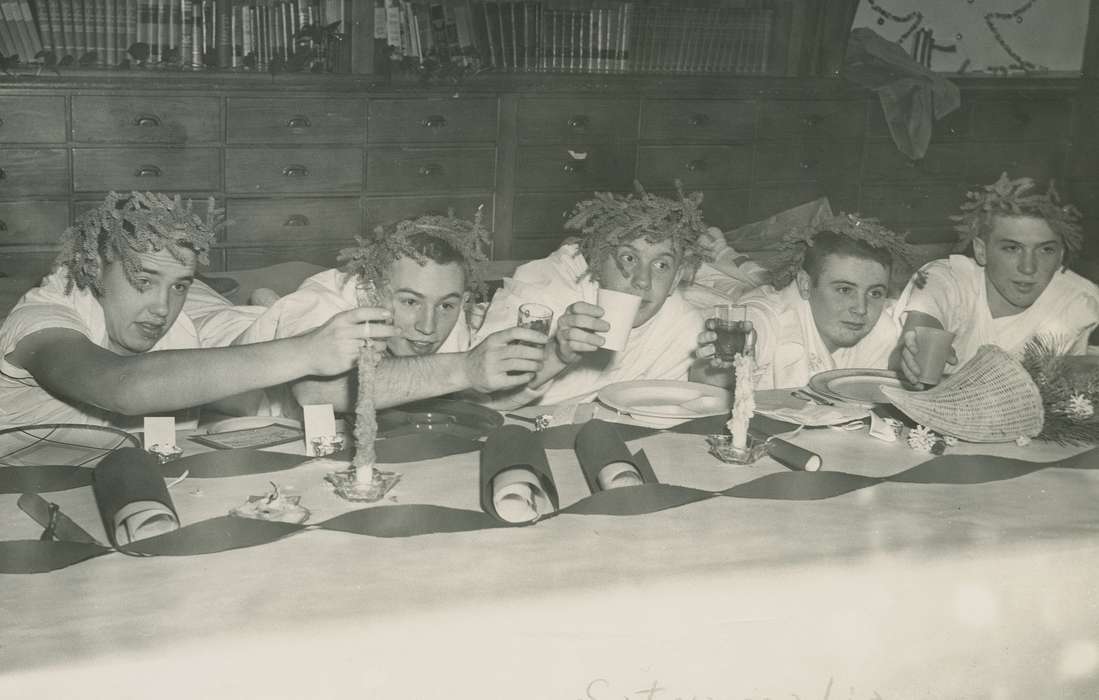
(327, 445)
(165, 453)
(721, 446)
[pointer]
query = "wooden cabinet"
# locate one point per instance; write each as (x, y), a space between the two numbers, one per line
(300, 171)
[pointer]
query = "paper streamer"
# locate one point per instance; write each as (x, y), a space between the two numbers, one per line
(210, 465)
(422, 446)
(38, 557)
(220, 534)
(215, 535)
(43, 478)
(514, 447)
(790, 455)
(410, 521)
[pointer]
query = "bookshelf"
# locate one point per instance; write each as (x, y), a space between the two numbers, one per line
(394, 38)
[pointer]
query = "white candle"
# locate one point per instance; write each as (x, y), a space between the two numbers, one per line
(744, 401)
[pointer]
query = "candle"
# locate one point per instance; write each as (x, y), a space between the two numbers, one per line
(744, 401)
(366, 423)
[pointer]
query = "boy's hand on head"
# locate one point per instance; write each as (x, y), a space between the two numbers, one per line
(578, 331)
(334, 347)
(502, 361)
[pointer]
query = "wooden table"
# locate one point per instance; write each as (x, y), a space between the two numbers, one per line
(898, 590)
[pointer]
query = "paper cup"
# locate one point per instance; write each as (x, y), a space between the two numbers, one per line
(619, 310)
(932, 348)
(517, 496)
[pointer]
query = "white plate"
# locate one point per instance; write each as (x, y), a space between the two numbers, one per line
(855, 386)
(656, 398)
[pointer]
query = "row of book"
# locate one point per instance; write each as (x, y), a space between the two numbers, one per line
(221, 33)
(600, 37)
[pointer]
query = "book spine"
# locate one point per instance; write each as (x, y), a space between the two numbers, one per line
(186, 32)
(110, 33)
(21, 30)
(57, 29)
(9, 44)
(41, 12)
(223, 37)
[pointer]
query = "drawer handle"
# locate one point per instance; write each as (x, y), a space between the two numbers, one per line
(579, 122)
(3, 225)
(698, 120)
(575, 167)
(697, 165)
(429, 170)
(147, 171)
(1, 121)
(3, 174)
(1022, 118)
(298, 123)
(434, 121)
(295, 171)
(808, 164)
(812, 120)
(146, 120)
(297, 220)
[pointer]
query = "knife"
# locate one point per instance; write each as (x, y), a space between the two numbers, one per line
(43, 512)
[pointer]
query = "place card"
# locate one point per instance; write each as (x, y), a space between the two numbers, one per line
(320, 425)
(161, 432)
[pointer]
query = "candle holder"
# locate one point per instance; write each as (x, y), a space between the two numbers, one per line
(721, 446)
(327, 445)
(165, 453)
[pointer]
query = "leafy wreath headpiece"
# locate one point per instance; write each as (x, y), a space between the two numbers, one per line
(125, 226)
(373, 255)
(609, 220)
(1070, 397)
(796, 243)
(1008, 197)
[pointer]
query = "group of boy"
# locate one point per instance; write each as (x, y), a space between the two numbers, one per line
(122, 328)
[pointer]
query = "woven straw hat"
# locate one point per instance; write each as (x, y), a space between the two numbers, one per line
(990, 399)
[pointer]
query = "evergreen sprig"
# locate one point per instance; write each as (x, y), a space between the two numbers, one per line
(1007, 197)
(796, 243)
(1070, 398)
(609, 220)
(371, 258)
(125, 226)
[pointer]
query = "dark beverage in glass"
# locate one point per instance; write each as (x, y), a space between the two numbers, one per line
(733, 338)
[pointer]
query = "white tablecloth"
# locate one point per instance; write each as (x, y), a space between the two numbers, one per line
(898, 590)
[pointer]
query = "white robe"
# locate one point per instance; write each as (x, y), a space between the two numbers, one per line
(22, 400)
(658, 349)
(956, 294)
(789, 348)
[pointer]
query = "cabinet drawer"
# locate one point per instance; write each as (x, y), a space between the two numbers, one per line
(578, 167)
(533, 248)
(694, 166)
(293, 170)
(323, 254)
(544, 214)
(1040, 160)
(838, 119)
(698, 120)
(32, 119)
(942, 161)
(119, 119)
(26, 171)
(1024, 118)
(293, 220)
(1084, 161)
(30, 265)
(900, 206)
(167, 169)
(430, 169)
(312, 120)
(556, 120)
(32, 222)
(806, 159)
(725, 209)
(386, 210)
(431, 120)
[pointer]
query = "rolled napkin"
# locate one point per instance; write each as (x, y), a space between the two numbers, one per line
(606, 461)
(790, 455)
(516, 482)
(132, 497)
